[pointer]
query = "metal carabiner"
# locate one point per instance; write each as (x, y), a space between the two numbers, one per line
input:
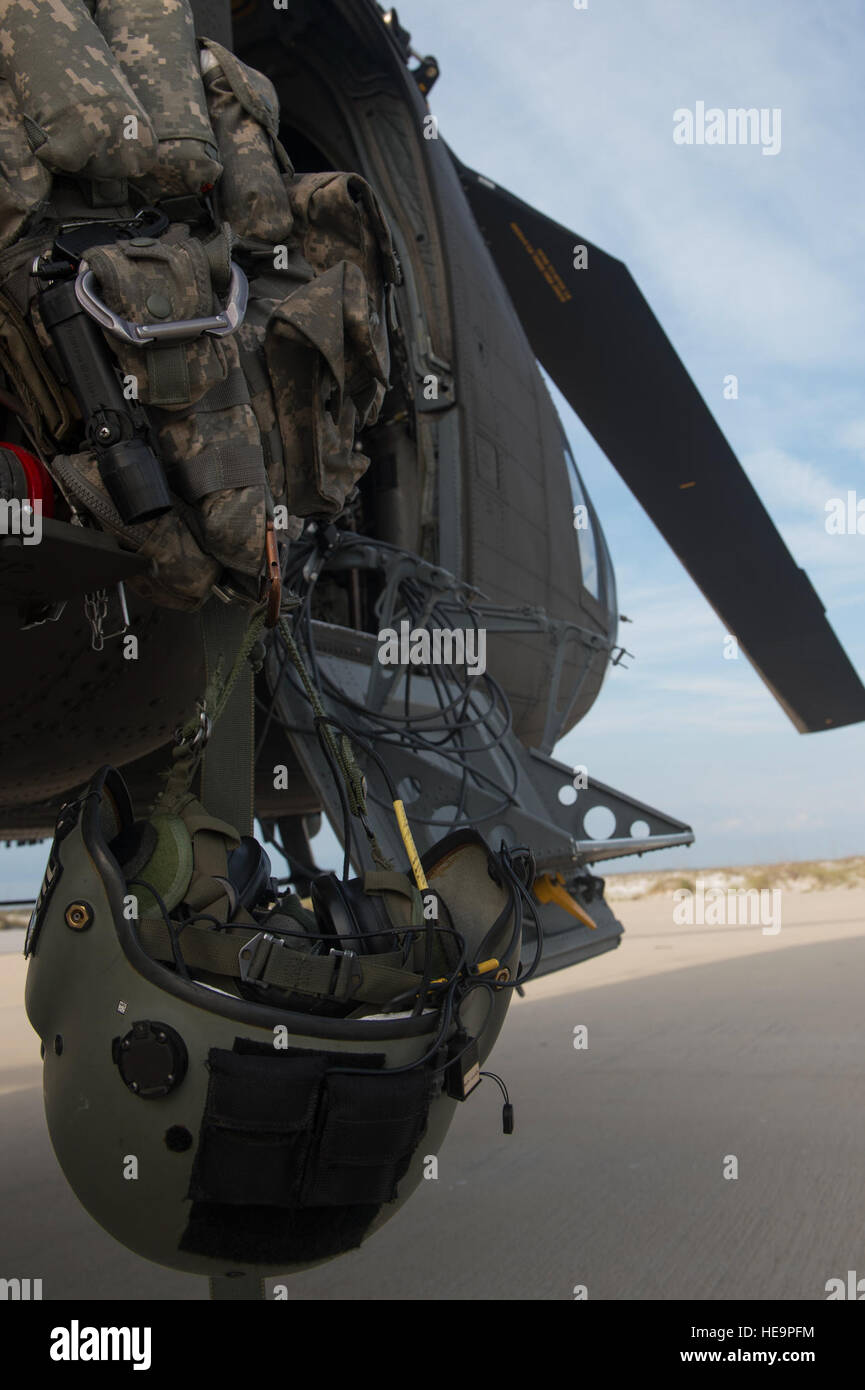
(176, 330)
(202, 733)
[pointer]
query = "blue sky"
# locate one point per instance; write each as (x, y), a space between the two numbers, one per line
(754, 266)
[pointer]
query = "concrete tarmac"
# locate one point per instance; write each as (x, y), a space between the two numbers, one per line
(705, 1044)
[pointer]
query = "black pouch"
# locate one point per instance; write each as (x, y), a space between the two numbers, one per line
(295, 1159)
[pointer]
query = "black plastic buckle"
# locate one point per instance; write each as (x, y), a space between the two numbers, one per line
(75, 239)
(194, 209)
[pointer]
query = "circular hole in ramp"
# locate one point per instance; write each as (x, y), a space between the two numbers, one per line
(599, 823)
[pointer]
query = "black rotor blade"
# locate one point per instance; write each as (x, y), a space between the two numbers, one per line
(595, 334)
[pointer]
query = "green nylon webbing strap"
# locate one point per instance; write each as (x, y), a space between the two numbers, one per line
(388, 881)
(229, 466)
(340, 748)
(391, 881)
(228, 704)
(227, 774)
(377, 979)
(168, 373)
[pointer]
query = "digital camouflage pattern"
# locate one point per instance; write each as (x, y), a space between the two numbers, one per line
(51, 409)
(181, 574)
(266, 416)
(24, 182)
(213, 458)
(74, 100)
(338, 217)
(208, 436)
(173, 273)
(245, 113)
(267, 290)
(142, 34)
(326, 344)
(328, 368)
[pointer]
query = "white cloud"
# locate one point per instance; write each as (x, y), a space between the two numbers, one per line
(786, 482)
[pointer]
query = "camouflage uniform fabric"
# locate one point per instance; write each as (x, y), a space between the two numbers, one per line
(207, 433)
(328, 378)
(142, 34)
(181, 573)
(326, 344)
(118, 92)
(245, 115)
(24, 183)
(173, 273)
(77, 108)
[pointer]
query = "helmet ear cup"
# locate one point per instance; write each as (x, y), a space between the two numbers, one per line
(134, 846)
(249, 871)
(345, 911)
(163, 861)
(115, 809)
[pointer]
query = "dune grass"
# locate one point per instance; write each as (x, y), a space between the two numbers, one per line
(805, 876)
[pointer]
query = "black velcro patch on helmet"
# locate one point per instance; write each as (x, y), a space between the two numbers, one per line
(370, 1128)
(268, 1236)
(295, 1158)
(259, 1123)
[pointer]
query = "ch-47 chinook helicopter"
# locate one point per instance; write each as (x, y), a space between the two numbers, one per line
(471, 522)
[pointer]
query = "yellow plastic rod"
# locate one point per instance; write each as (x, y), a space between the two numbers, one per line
(410, 846)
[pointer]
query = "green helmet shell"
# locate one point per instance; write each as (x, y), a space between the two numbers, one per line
(142, 1161)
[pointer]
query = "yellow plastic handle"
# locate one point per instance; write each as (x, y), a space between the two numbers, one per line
(552, 890)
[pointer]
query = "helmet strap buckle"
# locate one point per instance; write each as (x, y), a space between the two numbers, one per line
(252, 960)
(348, 975)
